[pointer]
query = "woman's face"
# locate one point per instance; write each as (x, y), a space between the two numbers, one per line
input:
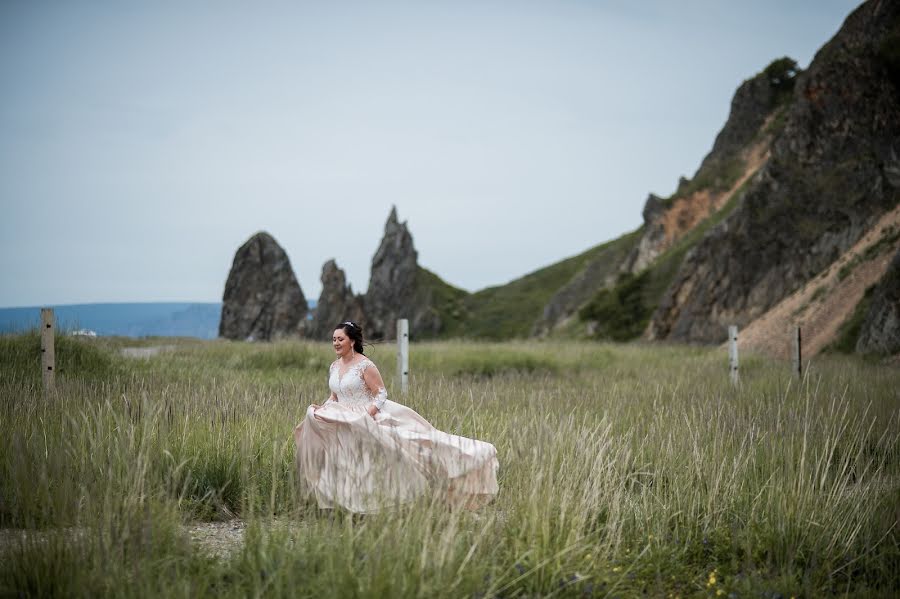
(342, 343)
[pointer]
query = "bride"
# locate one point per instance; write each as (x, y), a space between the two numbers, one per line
(362, 452)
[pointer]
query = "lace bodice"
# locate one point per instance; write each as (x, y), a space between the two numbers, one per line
(349, 387)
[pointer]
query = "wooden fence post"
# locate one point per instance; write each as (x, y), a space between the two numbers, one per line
(48, 354)
(403, 354)
(733, 354)
(797, 353)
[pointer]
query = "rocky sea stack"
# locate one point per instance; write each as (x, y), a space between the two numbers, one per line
(262, 299)
(400, 288)
(336, 303)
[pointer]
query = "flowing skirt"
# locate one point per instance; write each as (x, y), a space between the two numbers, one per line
(362, 464)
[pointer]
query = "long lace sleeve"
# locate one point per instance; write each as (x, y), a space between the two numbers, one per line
(380, 398)
(374, 384)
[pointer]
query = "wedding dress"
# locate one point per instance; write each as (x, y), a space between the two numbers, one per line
(349, 459)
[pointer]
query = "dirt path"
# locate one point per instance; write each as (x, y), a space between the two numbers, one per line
(145, 352)
(217, 539)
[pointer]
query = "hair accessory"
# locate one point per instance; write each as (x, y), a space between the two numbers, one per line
(352, 324)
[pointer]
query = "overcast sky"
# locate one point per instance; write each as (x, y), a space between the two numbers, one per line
(141, 143)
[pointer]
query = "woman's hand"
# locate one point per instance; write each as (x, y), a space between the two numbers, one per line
(372, 410)
(331, 399)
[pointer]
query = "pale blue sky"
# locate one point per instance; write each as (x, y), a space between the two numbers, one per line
(141, 143)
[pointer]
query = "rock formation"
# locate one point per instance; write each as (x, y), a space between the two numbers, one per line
(652, 241)
(751, 108)
(880, 332)
(337, 303)
(392, 279)
(262, 299)
(739, 150)
(827, 181)
(400, 288)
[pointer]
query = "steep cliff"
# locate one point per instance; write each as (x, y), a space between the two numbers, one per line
(880, 330)
(740, 149)
(827, 181)
(831, 308)
(615, 296)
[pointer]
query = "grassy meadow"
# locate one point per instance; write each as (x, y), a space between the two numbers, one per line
(625, 470)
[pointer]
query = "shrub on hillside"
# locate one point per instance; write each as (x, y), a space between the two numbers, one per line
(619, 312)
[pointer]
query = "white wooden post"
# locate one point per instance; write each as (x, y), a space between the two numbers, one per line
(796, 353)
(48, 355)
(403, 354)
(733, 354)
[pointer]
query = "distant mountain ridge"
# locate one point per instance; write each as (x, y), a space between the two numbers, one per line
(140, 319)
(127, 319)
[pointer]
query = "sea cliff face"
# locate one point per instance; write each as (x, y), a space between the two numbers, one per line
(828, 180)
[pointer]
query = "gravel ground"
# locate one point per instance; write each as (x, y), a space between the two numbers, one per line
(218, 539)
(145, 352)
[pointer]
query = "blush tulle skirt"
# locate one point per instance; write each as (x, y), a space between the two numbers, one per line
(348, 459)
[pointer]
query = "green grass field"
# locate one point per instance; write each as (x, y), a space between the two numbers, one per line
(626, 471)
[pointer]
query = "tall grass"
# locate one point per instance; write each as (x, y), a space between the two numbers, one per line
(624, 470)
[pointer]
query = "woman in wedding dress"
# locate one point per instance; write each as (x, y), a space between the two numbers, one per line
(362, 452)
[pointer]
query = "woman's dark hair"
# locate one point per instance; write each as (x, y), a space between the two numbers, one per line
(354, 331)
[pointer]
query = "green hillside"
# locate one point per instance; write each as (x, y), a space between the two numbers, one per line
(447, 300)
(510, 310)
(621, 312)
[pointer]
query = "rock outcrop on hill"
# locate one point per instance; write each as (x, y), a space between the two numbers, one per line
(262, 298)
(741, 147)
(827, 181)
(880, 332)
(400, 288)
(751, 108)
(337, 303)
(653, 238)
